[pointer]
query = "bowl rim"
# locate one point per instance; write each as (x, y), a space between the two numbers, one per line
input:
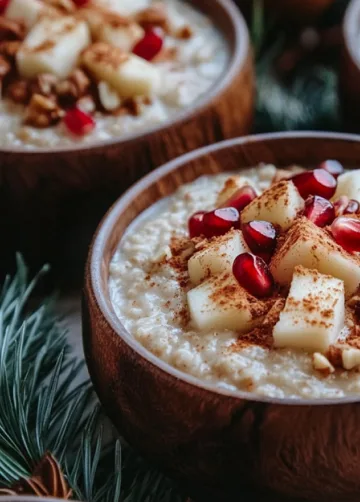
(104, 231)
(237, 60)
(350, 26)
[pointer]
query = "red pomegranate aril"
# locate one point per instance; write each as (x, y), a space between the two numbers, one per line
(346, 232)
(3, 6)
(253, 274)
(78, 122)
(196, 225)
(317, 182)
(150, 45)
(352, 207)
(260, 236)
(319, 210)
(341, 204)
(333, 167)
(241, 198)
(220, 221)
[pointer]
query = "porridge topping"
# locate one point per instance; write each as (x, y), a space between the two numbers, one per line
(268, 288)
(137, 62)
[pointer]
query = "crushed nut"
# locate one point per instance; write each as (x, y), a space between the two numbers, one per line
(154, 15)
(184, 33)
(67, 6)
(73, 88)
(18, 91)
(322, 364)
(134, 106)
(42, 112)
(44, 84)
(10, 30)
(5, 68)
(9, 49)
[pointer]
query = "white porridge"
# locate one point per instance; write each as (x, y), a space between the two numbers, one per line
(82, 71)
(298, 343)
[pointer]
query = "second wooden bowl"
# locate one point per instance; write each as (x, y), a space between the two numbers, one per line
(52, 200)
(214, 440)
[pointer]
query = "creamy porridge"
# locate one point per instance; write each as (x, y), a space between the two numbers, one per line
(90, 70)
(271, 308)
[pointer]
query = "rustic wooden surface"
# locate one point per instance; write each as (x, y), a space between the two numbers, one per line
(51, 202)
(207, 439)
(350, 68)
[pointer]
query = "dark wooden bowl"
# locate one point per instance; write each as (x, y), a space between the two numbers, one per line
(213, 439)
(296, 11)
(52, 200)
(350, 67)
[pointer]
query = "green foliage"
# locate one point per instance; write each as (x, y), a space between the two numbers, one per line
(42, 409)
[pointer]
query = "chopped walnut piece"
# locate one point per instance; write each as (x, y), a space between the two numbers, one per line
(73, 88)
(44, 84)
(154, 15)
(42, 112)
(10, 30)
(9, 48)
(5, 68)
(18, 91)
(184, 33)
(66, 6)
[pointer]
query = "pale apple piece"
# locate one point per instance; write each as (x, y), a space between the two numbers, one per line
(216, 256)
(312, 247)
(322, 364)
(52, 46)
(220, 303)
(314, 312)
(28, 12)
(128, 74)
(280, 205)
(231, 186)
(124, 36)
(349, 185)
(350, 358)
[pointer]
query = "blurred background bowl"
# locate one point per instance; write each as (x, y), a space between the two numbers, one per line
(52, 200)
(218, 441)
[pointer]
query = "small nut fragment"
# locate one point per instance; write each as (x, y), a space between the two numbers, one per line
(109, 98)
(5, 68)
(44, 84)
(322, 364)
(10, 30)
(42, 112)
(18, 91)
(66, 6)
(154, 15)
(184, 33)
(73, 88)
(9, 48)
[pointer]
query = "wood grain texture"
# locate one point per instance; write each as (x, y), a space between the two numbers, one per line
(215, 441)
(51, 202)
(350, 68)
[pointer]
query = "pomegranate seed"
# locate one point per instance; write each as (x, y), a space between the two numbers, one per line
(3, 5)
(253, 274)
(260, 236)
(220, 221)
(78, 122)
(149, 46)
(341, 204)
(195, 224)
(319, 210)
(352, 207)
(333, 167)
(317, 182)
(346, 232)
(81, 3)
(241, 198)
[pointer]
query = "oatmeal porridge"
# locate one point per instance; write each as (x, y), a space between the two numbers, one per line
(91, 70)
(250, 280)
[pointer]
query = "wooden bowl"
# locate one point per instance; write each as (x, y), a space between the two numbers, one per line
(52, 199)
(350, 67)
(212, 439)
(296, 11)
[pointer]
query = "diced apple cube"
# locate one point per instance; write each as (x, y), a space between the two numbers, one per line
(52, 46)
(216, 256)
(122, 35)
(27, 11)
(231, 185)
(351, 358)
(322, 364)
(220, 303)
(310, 246)
(314, 312)
(280, 205)
(349, 185)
